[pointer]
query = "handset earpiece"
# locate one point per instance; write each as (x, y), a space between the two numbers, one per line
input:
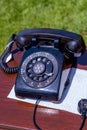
(74, 48)
(22, 42)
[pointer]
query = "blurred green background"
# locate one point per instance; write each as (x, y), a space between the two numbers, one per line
(16, 15)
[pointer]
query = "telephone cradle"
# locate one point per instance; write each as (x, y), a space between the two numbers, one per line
(46, 51)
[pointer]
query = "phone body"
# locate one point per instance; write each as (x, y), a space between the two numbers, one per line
(41, 67)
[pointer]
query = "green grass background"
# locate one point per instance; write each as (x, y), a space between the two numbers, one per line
(16, 15)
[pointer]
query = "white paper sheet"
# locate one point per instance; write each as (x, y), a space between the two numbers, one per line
(77, 91)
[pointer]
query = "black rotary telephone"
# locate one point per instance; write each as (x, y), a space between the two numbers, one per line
(40, 70)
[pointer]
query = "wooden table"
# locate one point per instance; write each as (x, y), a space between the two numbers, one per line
(17, 115)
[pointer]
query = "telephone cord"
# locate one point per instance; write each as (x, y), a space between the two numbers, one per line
(34, 114)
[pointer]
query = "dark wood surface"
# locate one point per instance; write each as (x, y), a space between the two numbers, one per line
(17, 115)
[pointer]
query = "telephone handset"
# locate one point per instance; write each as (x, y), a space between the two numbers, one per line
(40, 70)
